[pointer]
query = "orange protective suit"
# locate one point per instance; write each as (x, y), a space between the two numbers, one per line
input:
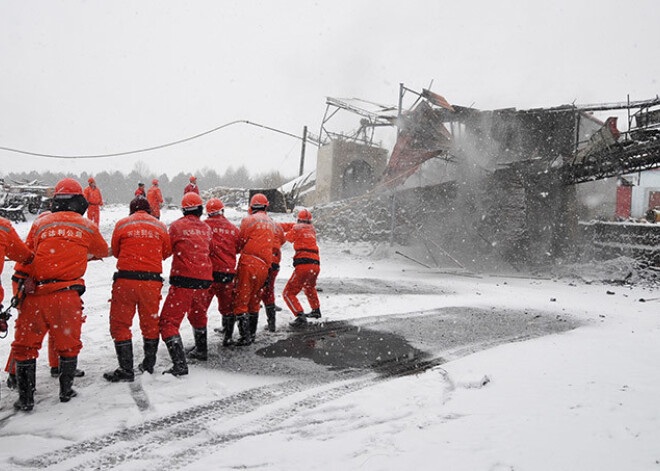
(11, 246)
(268, 293)
(95, 200)
(306, 264)
(21, 273)
(191, 188)
(224, 248)
(62, 242)
(190, 277)
(140, 243)
(256, 234)
(155, 198)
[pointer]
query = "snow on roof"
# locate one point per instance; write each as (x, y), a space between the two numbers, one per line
(302, 180)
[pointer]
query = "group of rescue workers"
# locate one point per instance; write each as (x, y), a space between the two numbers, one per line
(48, 279)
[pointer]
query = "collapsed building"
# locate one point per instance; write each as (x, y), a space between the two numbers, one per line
(479, 188)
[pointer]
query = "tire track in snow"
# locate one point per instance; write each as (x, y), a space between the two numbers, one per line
(145, 443)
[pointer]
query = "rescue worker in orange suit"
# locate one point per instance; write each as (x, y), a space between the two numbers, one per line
(190, 277)
(257, 233)
(140, 243)
(224, 247)
(307, 265)
(21, 273)
(155, 198)
(63, 242)
(191, 187)
(140, 190)
(95, 200)
(268, 293)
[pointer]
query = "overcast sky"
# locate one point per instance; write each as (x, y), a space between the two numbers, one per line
(94, 77)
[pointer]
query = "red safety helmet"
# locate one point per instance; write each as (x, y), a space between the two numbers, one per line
(68, 186)
(258, 200)
(191, 200)
(193, 179)
(154, 181)
(91, 180)
(214, 206)
(305, 216)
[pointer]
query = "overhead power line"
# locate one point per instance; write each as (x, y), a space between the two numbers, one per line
(148, 149)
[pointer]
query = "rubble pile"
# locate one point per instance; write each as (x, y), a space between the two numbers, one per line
(467, 223)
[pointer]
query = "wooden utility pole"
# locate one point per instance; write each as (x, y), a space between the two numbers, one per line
(302, 151)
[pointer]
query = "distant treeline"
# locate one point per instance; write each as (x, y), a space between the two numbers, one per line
(118, 187)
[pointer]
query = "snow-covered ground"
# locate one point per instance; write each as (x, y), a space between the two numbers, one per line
(582, 399)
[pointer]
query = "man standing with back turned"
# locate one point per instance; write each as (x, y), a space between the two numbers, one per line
(257, 234)
(140, 243)
(63, 242)
(190, 278)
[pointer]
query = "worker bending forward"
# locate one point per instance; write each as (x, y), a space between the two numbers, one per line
(307, 266)
(140, 243)
(224, 248)
(62, 241)
(190, 277)
(257, 234)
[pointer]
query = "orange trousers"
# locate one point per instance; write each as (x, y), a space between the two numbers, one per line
(127, 295)
(251, 275)
(53, 358)
(94, 213)
(303, 278)
(224, 292)
(59, 313)
(179, 303)
(268, 293)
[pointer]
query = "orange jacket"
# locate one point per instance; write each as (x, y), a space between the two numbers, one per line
(155, 198)
(225, 244)
(191, 246)
(93, 195)
(140, 242)
(303, 238)
(191, 188)
(11, 246)
(62, 242)
(257, 234)
(140, 192)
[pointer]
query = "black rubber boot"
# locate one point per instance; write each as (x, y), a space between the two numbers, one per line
(299, 321)
(125, 371)
(254, 321)
(26, 372)
(315, 314)
(178, 356)
(200, 352)
(150, 351)
(67, 373)
(270, 317)
(243, 330)
(228, 329)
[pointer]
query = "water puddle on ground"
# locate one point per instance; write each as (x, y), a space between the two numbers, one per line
(339, 344)
(409, 343)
